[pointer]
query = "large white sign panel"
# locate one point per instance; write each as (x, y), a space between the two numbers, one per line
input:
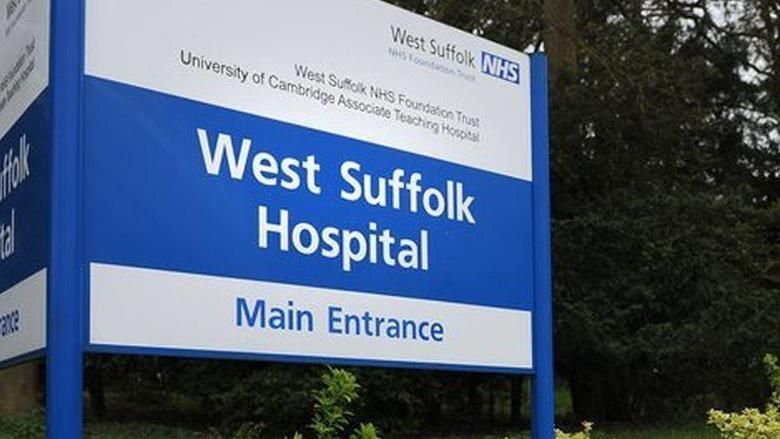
(158, 309)
(24, 57)
(410, 83)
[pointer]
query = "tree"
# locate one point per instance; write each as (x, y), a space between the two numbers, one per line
(560, 36)
(662, 231)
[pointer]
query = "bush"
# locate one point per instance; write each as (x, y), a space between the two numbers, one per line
(331, 403)
(332, 413)
(332, 407)
(31, 426)
(753, 423)
(587, 427)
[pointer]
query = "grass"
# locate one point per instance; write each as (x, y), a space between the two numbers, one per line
(29, 428)
(140, 431)
(684, 432)
(687, 432)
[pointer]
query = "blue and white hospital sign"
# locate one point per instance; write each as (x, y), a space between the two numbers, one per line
(283, 180)
(24, 177)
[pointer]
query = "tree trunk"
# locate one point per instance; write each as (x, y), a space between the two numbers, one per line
(560, 36)
(492, 402)
(19, 389)
(474, 404)
(599, 392)
(434, 412)
(588, 393)
(97, 395)
(516, 397)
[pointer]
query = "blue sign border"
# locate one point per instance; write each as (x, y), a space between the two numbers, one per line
(24, 358)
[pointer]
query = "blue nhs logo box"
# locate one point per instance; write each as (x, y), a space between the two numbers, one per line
(501, 68)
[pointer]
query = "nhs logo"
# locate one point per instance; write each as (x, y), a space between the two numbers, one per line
(501, 68)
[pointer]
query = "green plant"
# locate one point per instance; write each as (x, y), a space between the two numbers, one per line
(753, 423)
(249, 430)
(331, 407)
(331, 403)
(773, 370)
(31, 426)
(587, 428)
(365, 431)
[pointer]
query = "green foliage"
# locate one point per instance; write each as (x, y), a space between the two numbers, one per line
(773, 371)
(31, 426)
(665, 235)
(587, 428)
(249, 430)
(392, 398)
(137, 431)
(753, 423)
(332, 407)
(365, 431)
(747, 424)
(331, 403)
(235, 394)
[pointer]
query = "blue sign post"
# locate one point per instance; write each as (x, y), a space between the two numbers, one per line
(378, 197)
(543, 390)
(64, 358)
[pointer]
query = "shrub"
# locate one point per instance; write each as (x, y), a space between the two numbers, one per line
(331, 403)
(332, 407)
(587, 427)
(753, 423)
(31, 426)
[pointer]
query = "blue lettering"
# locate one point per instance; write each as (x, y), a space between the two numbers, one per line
(308, 317)
(423, 335)
(501, 68)
(369, 325)
(334, 319)
(272, 317)
(242, 311)
(437, 331)
(10, 323)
